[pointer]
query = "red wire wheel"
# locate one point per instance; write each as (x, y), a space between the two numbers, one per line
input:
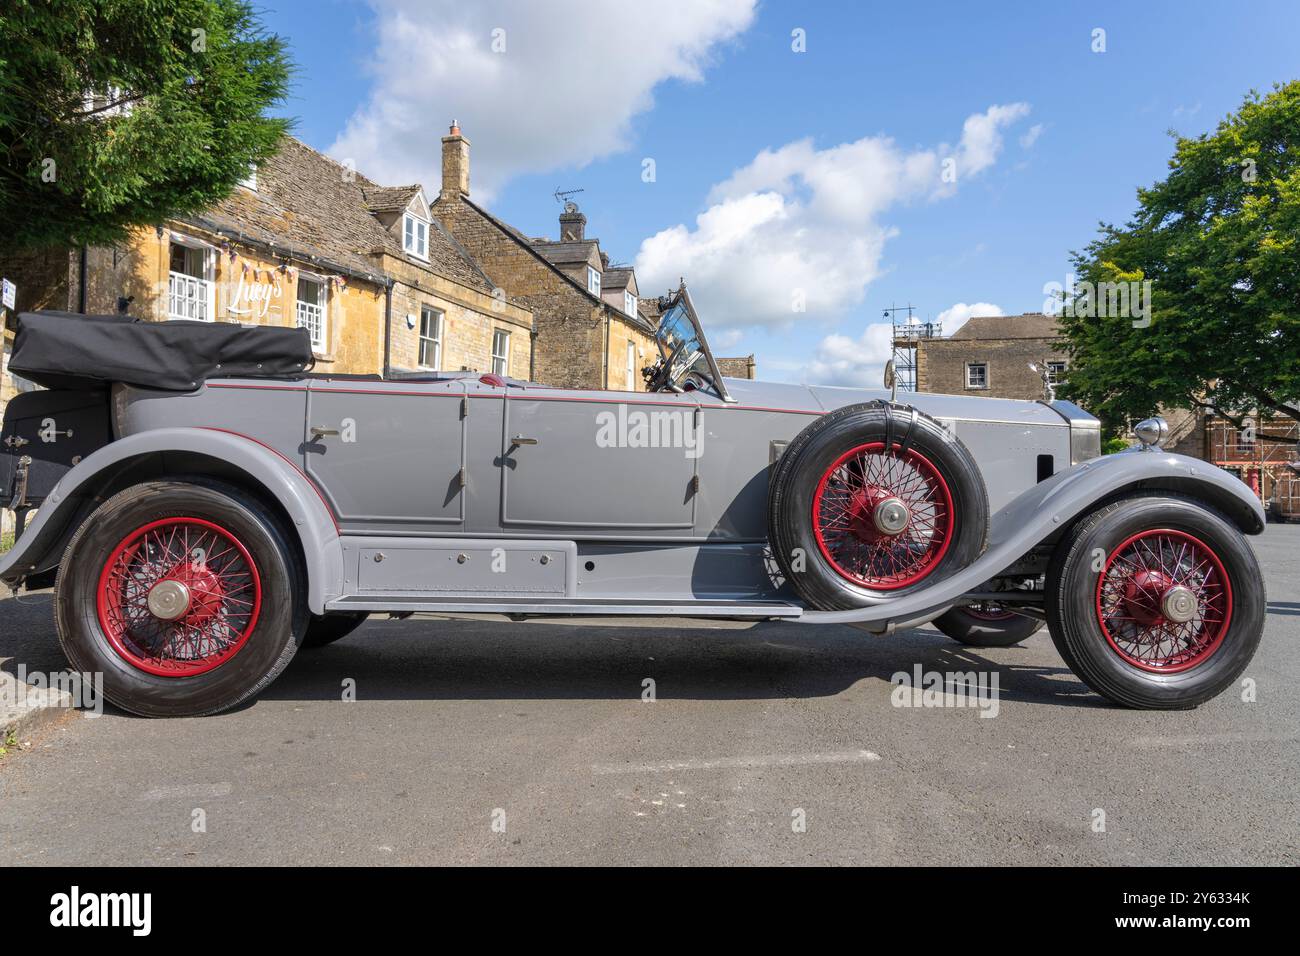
(179, 597)
(990, 611)
(882, 520)
(1164, 601)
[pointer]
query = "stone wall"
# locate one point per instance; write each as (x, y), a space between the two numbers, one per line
(470, 318)
(941, 365)
(621, 332)
(575, 347)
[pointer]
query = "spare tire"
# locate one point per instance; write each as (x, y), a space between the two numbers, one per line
(872, 502)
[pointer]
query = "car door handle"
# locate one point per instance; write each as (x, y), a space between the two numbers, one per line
(521, 440)
(319, 431)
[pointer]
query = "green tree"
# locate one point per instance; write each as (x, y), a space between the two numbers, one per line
(121, 113)
(1219, 241)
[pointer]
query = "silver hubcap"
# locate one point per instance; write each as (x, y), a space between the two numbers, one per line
(169, 600)
(1178, 604)
(891, 516)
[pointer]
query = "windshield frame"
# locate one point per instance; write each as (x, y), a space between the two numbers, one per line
(683, 298)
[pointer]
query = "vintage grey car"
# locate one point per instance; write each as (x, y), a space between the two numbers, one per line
(204, 517)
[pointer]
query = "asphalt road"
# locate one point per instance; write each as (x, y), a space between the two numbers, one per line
(541, 730)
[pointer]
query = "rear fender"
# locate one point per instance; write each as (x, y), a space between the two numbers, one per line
(1050, 507)
(81, 489)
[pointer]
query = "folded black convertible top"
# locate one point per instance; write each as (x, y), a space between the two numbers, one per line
(64, 349)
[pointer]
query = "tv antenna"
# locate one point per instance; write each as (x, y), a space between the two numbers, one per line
(562, 196)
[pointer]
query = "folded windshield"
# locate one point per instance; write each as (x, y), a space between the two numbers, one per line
(683, 347)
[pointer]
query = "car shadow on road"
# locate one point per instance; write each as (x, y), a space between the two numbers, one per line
(456, 660)
(475, 660)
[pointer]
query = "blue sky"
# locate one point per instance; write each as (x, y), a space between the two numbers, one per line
(579, 95)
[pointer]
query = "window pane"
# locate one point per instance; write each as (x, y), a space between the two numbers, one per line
(430, 337)
(308, 291)
(500, 352)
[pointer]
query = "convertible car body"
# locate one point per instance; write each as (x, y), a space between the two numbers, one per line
(207, 516)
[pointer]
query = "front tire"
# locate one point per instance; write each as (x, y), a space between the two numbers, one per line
(186, 597)
(1155, 602)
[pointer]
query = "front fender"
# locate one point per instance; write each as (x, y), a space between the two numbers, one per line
(40, 546)
(1050, 506)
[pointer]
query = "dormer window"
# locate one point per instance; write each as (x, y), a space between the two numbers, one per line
(593, 281)
(629, 304)
(415, 236)
(250, 181)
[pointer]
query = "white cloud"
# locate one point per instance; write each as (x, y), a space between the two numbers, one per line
(564, 91)
(955, 316)
(1031, 135)
(799, 232)
(841, 360)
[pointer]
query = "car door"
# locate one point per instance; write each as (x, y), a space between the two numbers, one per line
(599, 462)
(388, 456)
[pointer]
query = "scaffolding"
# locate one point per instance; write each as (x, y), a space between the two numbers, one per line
(1263, 456)
(906, 336)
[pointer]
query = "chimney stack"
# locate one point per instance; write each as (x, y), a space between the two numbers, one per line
(455, 163)
(573, 224)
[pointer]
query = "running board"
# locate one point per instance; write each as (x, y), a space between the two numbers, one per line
(559, 606)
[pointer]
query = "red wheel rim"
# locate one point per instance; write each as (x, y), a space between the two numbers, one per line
(862, 480)
(1132, 591)
(990, 611)
(179, 597)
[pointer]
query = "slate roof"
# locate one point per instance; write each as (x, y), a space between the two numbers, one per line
(309, 202)
(616, 278)
(531, 245)
(565, 253)
(1031, 325)
(389, 198)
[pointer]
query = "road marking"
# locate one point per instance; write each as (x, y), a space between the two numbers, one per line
(1147, 743)
(739, 763)
(197, 791)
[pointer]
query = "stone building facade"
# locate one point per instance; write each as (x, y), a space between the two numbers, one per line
(990, 355)
(742, 366)
(306, 241)
(585, 339)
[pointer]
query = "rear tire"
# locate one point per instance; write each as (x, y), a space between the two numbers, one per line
(325, 630)
(978, 628)
(1120, 585)
(186, 597)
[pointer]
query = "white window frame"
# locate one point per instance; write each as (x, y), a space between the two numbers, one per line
(593, 281)
(439, 323)
(629, 304)
(185, 288)
(500, 356)
(302, 316)
(250, 180)
(415, 236)
(1056, 371)
(970, 366)
(631, 366)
